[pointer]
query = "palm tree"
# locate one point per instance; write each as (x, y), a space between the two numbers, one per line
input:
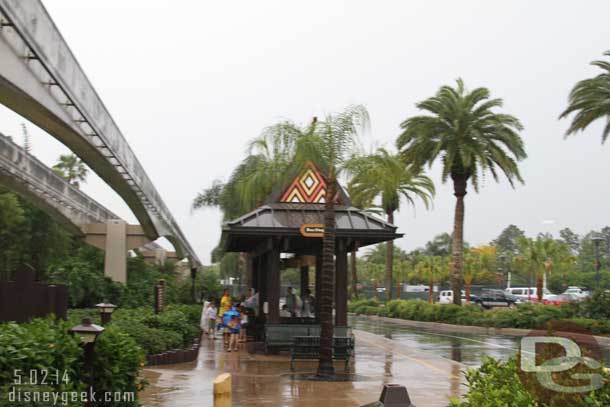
(432, 270)
(590, 99)
(72, 169)
(479, 264)
(384, 175)
(541, 256)
(353, 261)
(329, 144)
(471, 139)
(403, 269)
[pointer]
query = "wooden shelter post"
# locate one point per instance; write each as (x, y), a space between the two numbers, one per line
(273, 284)
(262, 283)
(341, 284)
(255, 266)
(249, 270)
(304, 279)
(318, 282)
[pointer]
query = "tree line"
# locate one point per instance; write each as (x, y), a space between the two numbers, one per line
(566, 260)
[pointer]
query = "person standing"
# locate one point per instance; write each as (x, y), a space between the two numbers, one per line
(212, 314)
(225, 303)
(234, 326)
(204, 317)
(291, 302)
(307, 311)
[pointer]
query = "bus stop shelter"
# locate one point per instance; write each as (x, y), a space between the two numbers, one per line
(287, 230)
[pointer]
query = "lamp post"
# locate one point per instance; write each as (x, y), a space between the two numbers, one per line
(106, 309)
(88, 334)
(597, 239)
(193, 277)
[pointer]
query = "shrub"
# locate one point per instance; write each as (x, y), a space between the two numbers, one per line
(597, 306)
(497, 384)
(526, 316)
(151, 340)
(117, 363)
(46, 345)
(43, 344)
(174, 328)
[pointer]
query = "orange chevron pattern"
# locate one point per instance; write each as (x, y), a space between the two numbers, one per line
(307, 187)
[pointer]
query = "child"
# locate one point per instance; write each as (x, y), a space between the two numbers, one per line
(234, 329)
(244, 325)
(211, 314)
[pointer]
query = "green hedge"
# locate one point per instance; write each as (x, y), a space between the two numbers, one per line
(46, 345)
(526, 316)
(176, 327)
(497, 384)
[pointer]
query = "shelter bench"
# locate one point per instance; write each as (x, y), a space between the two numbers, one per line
(308, 348)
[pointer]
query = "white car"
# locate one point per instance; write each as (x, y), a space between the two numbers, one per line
(446, 297)
(578, 292)
(523, 294)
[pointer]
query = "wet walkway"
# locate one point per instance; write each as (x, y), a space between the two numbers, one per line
(428, 362)
(262, 380)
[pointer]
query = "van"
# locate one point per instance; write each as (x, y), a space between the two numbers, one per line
(445, 297)
(525, 293)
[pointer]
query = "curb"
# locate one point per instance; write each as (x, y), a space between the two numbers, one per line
(174, 356)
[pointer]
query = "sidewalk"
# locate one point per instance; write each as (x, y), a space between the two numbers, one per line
(266, 380)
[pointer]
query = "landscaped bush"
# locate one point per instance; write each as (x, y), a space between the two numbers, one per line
(497, 384)
(526, 316)
(47, 347)
(176, 327)
(117, 363)
(43, 344)
(151, 340)
(595, 307)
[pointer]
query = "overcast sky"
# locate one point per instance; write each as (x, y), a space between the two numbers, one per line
(191, 82)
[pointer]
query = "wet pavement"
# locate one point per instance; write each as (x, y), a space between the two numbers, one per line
(429, 363)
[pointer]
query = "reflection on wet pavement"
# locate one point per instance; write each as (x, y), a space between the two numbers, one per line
(465, 348)
(430, 364)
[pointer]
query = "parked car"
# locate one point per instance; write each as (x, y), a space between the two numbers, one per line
(530, 293)
(446, 297)
(579, 292)
(516, 299)
(490, 298)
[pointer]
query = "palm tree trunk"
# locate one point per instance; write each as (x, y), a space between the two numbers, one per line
(325, 363)
(539, 286)
(397, 289)
(430, 291)
(389, 260)
(354, 274)
(467, 289)
(457, 246)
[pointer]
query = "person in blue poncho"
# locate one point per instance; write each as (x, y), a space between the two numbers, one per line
(225, 325)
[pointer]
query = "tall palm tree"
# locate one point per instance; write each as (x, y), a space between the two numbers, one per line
(470, 138)
(329, 144)
(590, 99)
(269, 157)
(383, 175)
(358, 203)
(275, 151)
(72, 169)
